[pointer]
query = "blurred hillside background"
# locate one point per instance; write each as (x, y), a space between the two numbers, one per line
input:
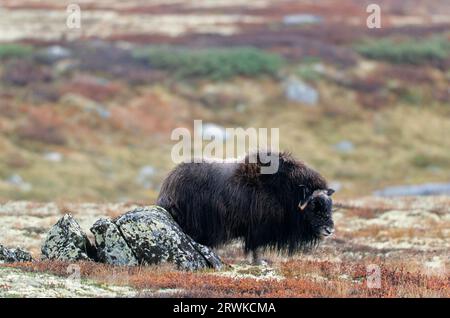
(86, 114)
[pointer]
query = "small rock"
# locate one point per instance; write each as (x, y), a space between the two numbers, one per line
(296, 19)
(335, 185)
(103, 112)
(13, 255)
(111, 246)
(53, 156)
(344, 146)
(300, 92)
(66, 241)
(17, 181)
(415, 190)
(54, 53)
(146, 177)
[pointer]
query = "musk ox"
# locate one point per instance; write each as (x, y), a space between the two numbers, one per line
(215, 202)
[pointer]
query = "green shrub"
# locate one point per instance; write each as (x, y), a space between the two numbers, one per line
(14, 50)
(308, 73)
(406, 51)
(217, 64)
(412, 96)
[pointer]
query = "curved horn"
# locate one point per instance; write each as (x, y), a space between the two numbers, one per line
(303, 206)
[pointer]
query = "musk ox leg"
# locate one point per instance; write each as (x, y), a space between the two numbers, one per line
(256, 258)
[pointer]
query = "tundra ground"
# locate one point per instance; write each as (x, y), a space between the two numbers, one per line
(382, 248)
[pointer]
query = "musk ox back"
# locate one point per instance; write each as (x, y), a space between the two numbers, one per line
(215, 202)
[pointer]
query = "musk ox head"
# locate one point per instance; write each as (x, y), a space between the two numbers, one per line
(317, 209)
(294, 209)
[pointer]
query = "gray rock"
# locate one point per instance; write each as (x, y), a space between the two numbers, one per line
(53, 156)
(66, 241)
(335, 185)
(300, 92)
(13, 255)
(111, 246)
(415, 190)
(296, 19)
(214, 260)
(344, 146)
(17, 181)
(155, 237)
(147, 235)
(146, 177)
(54, 53)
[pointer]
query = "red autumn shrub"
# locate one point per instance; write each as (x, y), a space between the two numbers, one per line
(24, 72)
(93, 88)
(43, 125)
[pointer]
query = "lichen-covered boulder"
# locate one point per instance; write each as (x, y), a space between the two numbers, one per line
(66, 241)
(212, 258)
(155, 237)
(111, 246)
(13, 255)
(143, 236)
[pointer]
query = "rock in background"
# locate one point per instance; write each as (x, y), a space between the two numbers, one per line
(299, 92)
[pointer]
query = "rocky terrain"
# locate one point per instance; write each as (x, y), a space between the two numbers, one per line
(406, 239)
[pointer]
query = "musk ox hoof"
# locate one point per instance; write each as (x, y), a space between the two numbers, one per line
(260, 262)
(257, 260)
(13, 255)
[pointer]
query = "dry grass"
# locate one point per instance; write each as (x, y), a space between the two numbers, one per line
(302, 279)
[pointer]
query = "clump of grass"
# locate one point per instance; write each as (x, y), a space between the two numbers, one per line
(411, 96)
(14, 50)
(308, 72)
(409, 51)
(215, 64)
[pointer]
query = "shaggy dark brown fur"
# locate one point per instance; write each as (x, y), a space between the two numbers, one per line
(216, 202)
